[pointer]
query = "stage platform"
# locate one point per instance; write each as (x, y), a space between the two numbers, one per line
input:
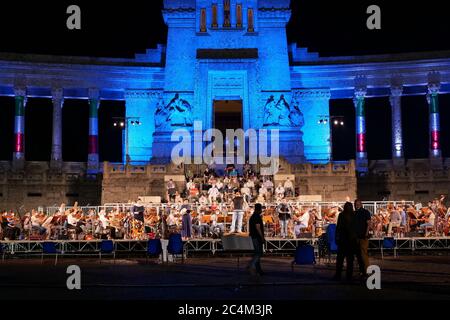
(272, 246)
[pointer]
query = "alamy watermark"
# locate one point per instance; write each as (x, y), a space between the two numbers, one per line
(74, 280)
(374, 280)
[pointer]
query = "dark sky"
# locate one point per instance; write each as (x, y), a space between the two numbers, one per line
(121, 29)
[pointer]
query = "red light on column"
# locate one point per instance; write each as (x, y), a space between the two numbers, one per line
(361, 142)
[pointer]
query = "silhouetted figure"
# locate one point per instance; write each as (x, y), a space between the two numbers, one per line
(256, 228)
(362, 223)
(346, 241)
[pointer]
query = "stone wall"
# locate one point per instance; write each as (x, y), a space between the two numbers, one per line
(36, 185)
(417, 179)
(124, 183)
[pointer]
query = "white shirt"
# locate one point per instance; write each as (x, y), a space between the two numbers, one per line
(104, 220)
(213, 192)
(279, 190)
(35, 222)
(72, 220)
(190, 185)
(288, 184)
(245, 190)
(203, 200)
(304, 219)
(268, 184)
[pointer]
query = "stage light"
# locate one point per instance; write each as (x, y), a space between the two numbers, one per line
(122, 124)
(115, 124)
(342, 123)
(336, 122)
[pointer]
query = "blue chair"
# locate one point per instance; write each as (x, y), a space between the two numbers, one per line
(154, 248)
(331, 238)
(389, 243)
(107, 247)
(176, 246)
(48, 249)
(304, 255)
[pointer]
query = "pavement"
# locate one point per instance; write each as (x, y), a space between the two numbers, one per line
(220, 278)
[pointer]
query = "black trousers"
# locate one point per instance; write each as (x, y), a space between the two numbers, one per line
(346, 250)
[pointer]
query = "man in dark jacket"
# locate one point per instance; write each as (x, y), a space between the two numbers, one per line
(362, 223)
(256, 228)
(346, 242)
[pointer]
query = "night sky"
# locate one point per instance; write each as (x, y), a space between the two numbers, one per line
(117, 30)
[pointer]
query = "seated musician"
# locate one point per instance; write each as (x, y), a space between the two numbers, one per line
(72, 222)
(202, 226)
(213, 194)
(171, 220)
(104, 219)
(395, 220)
(12, 230)
(48, 225)
(27, 227)
(246, 193)
(279, 192)
(203, 200)
(302, 223)
(217, 229)
(36, 222)
(289, 187)
(428, 221)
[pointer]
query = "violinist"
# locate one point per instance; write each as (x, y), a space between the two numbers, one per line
(12, 230)
(72, 222)
(36, 222)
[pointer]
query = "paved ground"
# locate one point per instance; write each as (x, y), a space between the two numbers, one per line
(407, 277)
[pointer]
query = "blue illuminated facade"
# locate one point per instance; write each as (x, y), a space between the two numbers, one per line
(222, 51)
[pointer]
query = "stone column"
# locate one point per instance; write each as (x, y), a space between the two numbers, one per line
(397, 132)
(141, 105)
(315, 105)
(93, 159)
(434, 126)
(361, 148)
(58, 102)
(19, 128)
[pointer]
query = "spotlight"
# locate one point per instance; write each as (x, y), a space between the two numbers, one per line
(336, 122)
(122, 124)
(115, 124)
(342, 123)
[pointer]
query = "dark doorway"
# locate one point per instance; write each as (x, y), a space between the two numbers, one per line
(227, 115)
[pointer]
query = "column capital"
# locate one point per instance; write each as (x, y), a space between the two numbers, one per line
(434, 82)
(311, 94)
(360, 86)
(20, 91)
(57, 95)
(143, 94)
(396, 91)
(94, 94)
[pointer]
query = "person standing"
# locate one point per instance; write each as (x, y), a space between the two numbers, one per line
(362, 223)
(346, 241)
(171, 190)
(256, 228)
(284, 214)
(238, 213)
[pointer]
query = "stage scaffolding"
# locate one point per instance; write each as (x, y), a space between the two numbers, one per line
(210, 246)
